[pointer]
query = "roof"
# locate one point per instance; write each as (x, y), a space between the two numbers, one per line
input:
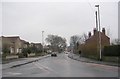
(25, 42)
(11, 38)
(97, 34)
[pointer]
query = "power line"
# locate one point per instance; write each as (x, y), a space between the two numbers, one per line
(90, 6)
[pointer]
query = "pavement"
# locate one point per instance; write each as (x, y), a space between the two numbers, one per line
(88, 60)
(22, 61)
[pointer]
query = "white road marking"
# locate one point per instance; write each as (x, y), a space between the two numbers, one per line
(43, 67)
(38, 66)
(11, 73)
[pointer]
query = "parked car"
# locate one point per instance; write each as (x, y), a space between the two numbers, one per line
(66, 52)
(54, 54)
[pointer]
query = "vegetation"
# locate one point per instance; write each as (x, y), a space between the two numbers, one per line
(5, 51)
(29, 50)
(57, 43)
(77, 40)
(111, 50)
(115, 42)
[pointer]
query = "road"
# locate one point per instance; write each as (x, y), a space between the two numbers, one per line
(61, 66)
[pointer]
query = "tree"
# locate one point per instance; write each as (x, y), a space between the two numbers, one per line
(83, 38)
(56, 42)
(5, 50)
(116, 42)
(24, 52)
(76, 40)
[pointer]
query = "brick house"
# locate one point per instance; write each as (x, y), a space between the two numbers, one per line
(91, 46)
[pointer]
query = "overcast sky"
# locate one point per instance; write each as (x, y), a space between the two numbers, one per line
(28, 19)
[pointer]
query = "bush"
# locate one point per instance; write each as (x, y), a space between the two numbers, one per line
(5, 50)
(111, 50)
(22, 55)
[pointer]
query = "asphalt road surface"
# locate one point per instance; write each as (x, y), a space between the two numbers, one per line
(61, 66)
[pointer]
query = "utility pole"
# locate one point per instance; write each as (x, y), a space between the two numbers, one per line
(96, 21)
(97, 39)
(99, 32)
(43, 40)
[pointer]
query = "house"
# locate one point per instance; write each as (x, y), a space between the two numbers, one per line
(13, 44)
(91, 46)
(38, 46)
(25, 44)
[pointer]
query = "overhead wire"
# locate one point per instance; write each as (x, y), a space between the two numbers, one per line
(90, 6)
(93, 10)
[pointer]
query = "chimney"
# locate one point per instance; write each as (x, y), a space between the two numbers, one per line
(94, 31)
(89, 34)
(103, 30)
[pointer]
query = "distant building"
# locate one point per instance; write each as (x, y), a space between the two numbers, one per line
(36, 45)
(13, 44)
(91, 46)
(25, 44)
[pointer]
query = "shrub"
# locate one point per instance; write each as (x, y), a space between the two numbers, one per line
(111, 50)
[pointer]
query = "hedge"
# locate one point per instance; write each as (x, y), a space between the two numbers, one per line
(113, 50)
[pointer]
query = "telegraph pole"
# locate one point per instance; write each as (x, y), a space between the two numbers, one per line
(43, 40)
(99, 31)
(97, 39)
(96, 20)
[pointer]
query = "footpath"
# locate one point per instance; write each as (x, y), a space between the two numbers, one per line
(22, 61)
(88, 60)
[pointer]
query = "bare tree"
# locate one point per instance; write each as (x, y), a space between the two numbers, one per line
(74, 39)
(116, 42)
(56, 42)
(78, 39)
(83, 38)
(74, 43)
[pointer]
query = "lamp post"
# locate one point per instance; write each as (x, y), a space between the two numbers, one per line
(96, 20)
(99, 31)
(43, 40)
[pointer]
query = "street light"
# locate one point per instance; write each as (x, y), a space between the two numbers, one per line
(43, 40)
(99, 31)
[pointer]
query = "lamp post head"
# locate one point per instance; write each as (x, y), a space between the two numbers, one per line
(96, 5)
(42, 31)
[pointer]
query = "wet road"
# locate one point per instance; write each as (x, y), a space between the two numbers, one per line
(61, 66)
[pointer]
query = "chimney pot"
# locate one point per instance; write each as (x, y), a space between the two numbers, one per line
(89, 34)
(94, 31)
(103, 30)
